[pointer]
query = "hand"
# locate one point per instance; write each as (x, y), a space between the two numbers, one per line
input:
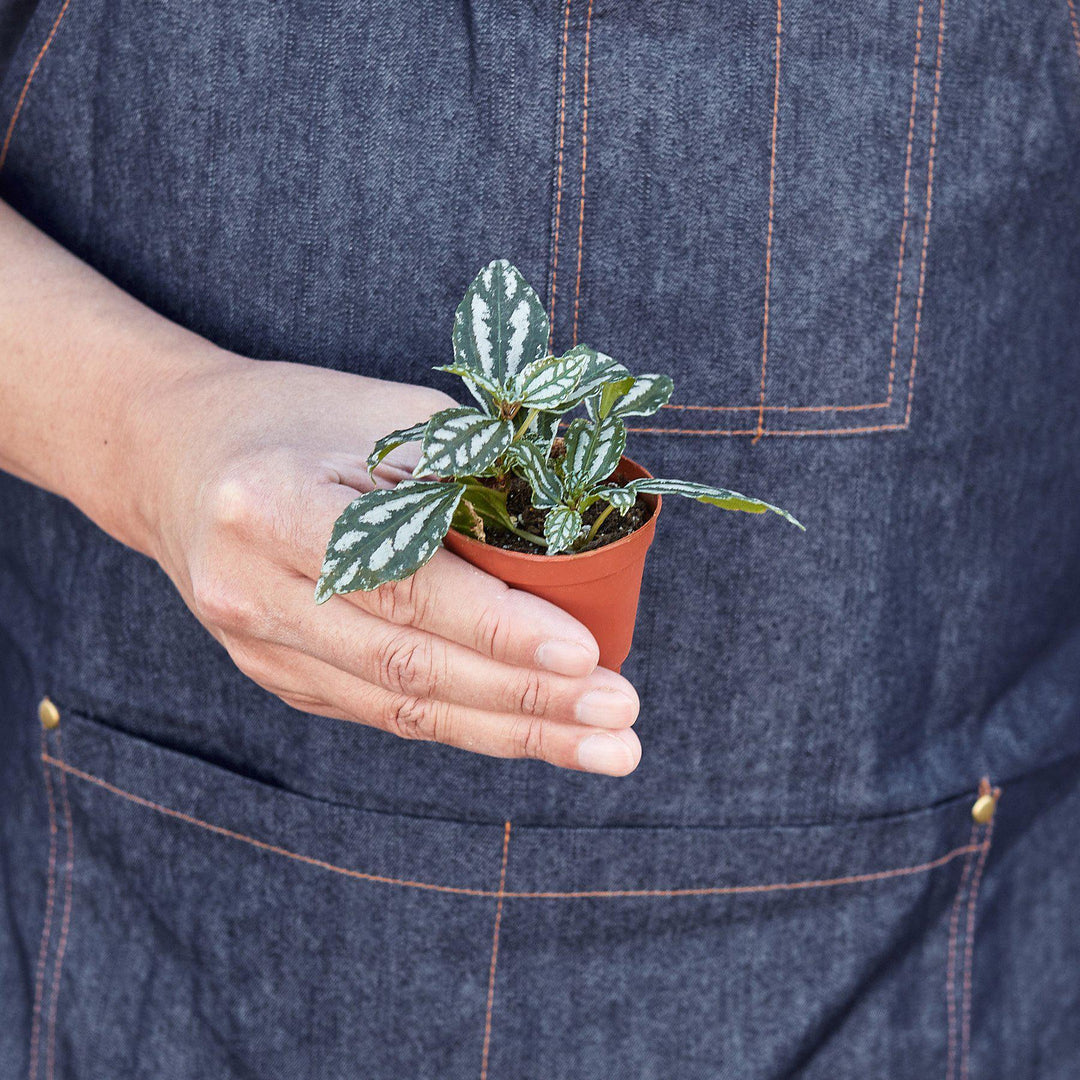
(247, 466)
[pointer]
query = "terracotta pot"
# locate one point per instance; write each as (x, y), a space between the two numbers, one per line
(599, 588)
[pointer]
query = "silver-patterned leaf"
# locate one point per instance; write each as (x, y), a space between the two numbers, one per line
(548, 383)
(593, 450)
(386, 535)
(486, 391)
(392, 441)
(562, 527)
(500, 326)
(543, 431)
(644, 396)
(547, 488)
(726, 500)
(621, 498)
(462, 442)
(599, 370)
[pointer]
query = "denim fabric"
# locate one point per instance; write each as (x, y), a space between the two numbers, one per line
(852, 233)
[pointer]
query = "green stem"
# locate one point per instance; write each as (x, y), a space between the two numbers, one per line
(530, 416)
(601, 518)
(538, 540)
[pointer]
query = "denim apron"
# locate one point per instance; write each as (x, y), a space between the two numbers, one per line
(852, 233)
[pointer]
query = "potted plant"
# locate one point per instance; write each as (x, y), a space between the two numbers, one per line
(568, 518)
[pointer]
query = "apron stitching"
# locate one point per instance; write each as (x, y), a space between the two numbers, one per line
(969, 954)
(1075, 26)
(907, 202)
(767, 432)
(495, 953)
(769, 236)
(929, 209)
(596, 894)
(26, 85)
(46, 929)
(65, 922)
(950, 970)
(559, 176)
(584, 157)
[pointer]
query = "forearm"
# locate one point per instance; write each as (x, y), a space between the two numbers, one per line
(78, 357)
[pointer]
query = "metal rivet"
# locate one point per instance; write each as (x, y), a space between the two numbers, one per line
(48, 714)
(983, 809)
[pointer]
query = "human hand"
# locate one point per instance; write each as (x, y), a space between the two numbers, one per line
(247, 466)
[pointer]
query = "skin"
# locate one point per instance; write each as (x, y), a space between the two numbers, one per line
(230, 472)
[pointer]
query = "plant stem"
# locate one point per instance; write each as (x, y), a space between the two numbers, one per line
(538, 540)
(530, 416)
(600, 519)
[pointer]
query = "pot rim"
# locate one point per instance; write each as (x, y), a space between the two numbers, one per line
(526, 558)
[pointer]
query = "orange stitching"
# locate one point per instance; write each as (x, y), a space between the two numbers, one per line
(929, 209)
(767, 431)
(768, 241)
(46, 929)
(723, 890)
(26, 85)
(950, 967)
(969, 945)
(558, 191)
(584, 156)
(779, 408)
(1075, 26)
(65, 924)
(495, 952)
(907, 201)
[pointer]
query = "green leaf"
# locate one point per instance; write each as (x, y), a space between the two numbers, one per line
(500, 326)
(462, 442)
(489, 503)
(593, 450)
(386, 535)
(621, 498)
(611, 393)
(644, 396)
(547, 488)
(726, 500)
(562, 527)
(548, 383)
(485, 390)
(392, 441)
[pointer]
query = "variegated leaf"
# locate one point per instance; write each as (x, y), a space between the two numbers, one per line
(726, 500)
(486, 391)
(621, 498)
(548, 383)
(599, 370)
(562, 527)
(547, 488)
(462, 442)
(392, 441)
(386, 535)
(500, 326)
(593, 450)
(644, 396)
(543, 431)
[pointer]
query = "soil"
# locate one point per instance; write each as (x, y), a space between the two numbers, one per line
(518, 502)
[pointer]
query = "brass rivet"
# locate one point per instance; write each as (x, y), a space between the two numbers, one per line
(48, 714)
(983, 809)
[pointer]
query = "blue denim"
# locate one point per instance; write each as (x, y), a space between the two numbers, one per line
(852, 234)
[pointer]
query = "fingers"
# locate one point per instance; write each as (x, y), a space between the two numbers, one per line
(313, 686)
(457, 601)
(414, 662)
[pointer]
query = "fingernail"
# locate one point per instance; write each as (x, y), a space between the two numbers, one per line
(605, 754)
(565, 658)
(607, 708)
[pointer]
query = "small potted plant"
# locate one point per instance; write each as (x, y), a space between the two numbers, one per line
(568, 518)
